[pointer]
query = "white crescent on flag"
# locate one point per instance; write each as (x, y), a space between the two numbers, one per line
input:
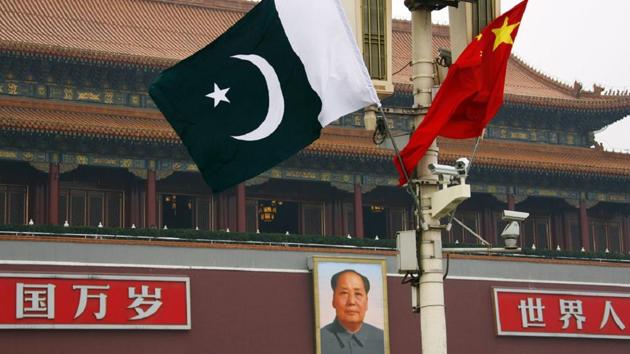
(275, 112)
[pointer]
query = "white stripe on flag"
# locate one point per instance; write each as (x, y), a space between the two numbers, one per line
(321, 37)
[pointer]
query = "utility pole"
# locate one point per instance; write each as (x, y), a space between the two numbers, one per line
(438, 188)
(428, 290)
(431, 287)
(431, 284)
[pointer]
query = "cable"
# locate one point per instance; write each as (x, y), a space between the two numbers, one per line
(380, 132)
(401, 69)
(386, 132)
(448, 262)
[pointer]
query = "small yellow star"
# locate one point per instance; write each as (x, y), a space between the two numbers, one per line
(504, 33)
(479, 36)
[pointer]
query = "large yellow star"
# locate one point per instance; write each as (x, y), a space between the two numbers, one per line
(503, 34)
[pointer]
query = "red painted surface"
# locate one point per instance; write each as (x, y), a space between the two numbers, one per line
(358, 211)
(471, 325)
(273, 312)
(584, 232)
(232, 312)
(151, 197)
(566, 313)
(511, 201)
(53, 194)
(47, 301)
(626, 232)
(240, 208)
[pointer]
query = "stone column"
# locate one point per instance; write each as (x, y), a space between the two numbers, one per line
(53, 194)
(358, 211)
(151, 197)
(240, 208)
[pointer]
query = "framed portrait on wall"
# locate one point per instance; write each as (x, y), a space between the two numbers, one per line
(350, 305)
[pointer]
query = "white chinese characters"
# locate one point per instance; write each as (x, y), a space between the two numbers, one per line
(571, 309)
(608, 312)
(38, 301)
(85, 295)
(571, 313)
(532, 312)
(144, 298)
(35, 301)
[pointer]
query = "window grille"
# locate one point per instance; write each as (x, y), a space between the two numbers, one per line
(374, 53)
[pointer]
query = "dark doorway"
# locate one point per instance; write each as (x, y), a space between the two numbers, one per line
(177, 211)
(285, 216)
(374, 221)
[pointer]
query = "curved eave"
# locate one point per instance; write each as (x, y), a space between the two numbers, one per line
(104, 135)
(605, 104)
(379, 155)
(84, 56)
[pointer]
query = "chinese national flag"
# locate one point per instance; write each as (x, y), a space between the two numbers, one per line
(472, 92)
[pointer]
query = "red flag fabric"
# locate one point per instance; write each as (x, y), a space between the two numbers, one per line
(472, 92)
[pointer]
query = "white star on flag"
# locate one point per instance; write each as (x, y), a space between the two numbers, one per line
(219, 95)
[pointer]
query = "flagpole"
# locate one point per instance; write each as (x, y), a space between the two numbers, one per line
(431, 285)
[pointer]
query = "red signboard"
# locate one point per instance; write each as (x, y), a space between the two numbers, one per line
(93, 301)
(546, 313)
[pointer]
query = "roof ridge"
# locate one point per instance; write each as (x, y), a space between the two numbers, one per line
(545, 78)
(499, 143)
(240, 6)
(74, 107)
(575, 89)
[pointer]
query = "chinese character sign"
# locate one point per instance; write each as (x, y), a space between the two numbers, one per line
(547, 313)
(93, 301)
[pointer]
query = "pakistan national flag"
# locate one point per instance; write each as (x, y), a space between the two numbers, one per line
(265, 88)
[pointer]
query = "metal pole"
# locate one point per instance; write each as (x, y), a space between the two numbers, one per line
(431, 287)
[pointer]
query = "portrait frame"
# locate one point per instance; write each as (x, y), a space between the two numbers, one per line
(374, 269)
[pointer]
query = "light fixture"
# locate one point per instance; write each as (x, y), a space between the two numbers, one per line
(377, 208)
(268, 212)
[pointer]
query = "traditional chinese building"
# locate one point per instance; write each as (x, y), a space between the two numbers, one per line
(82, 142)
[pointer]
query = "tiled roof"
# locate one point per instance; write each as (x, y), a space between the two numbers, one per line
(523, 84)
(134, 31)
(161, 32)
(50, 117)
(71, 119)
(512, 155)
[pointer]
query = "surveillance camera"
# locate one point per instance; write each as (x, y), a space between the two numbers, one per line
(512, 215)
(510, 235)
(438, 169)
(462, 165)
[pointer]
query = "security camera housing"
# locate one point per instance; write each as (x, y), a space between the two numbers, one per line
(460, 169)
(511, 215)
(447, 170)
(461, 165)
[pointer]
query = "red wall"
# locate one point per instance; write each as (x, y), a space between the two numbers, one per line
(268, 312)
(471, 323)
(232, 312)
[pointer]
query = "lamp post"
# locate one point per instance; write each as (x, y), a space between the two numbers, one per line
(431, 285)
